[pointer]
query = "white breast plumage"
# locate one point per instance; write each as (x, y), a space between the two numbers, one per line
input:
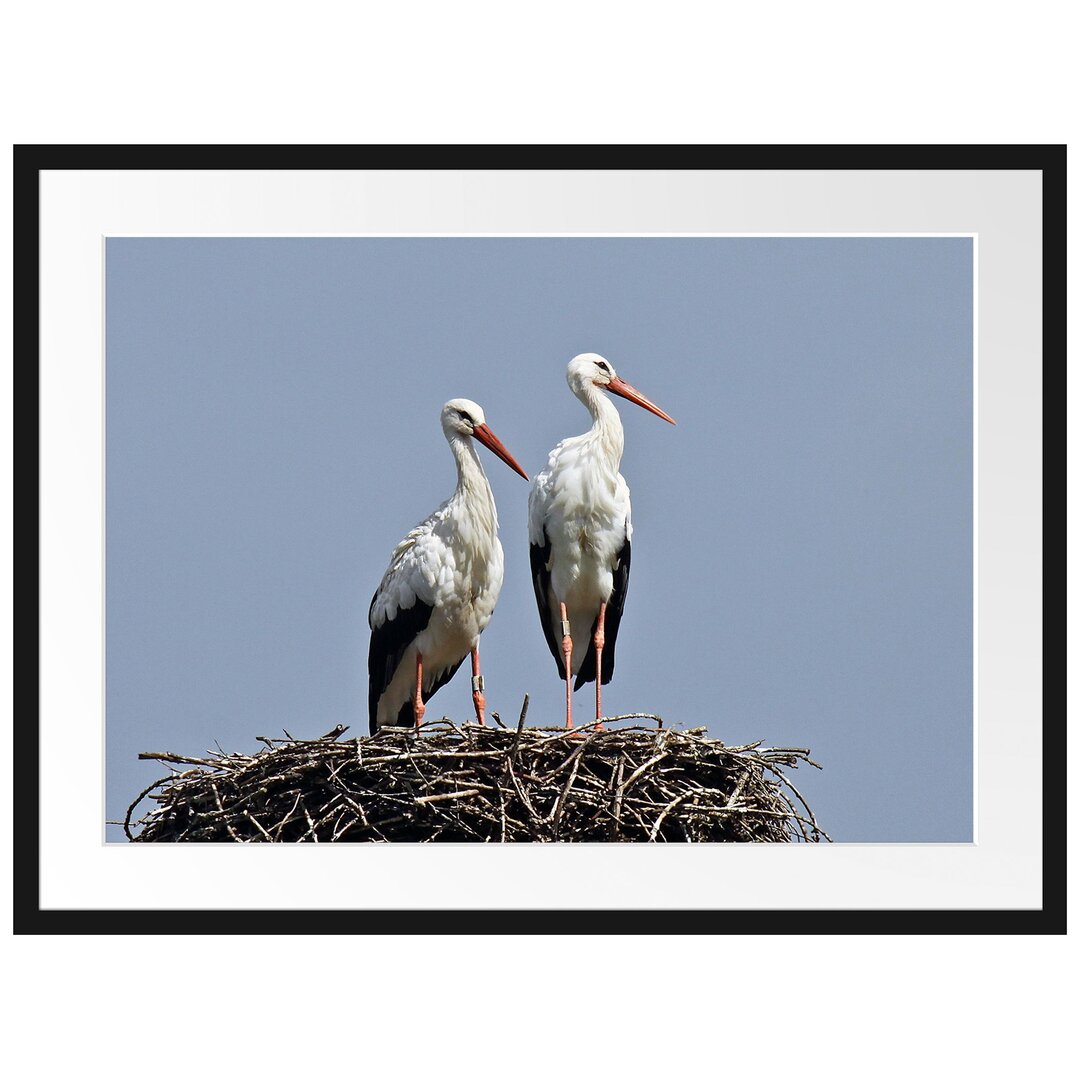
(440, 589)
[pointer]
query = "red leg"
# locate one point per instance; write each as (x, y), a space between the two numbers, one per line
(418, 701)
(477, 686)
(598, 641)
(567, 651)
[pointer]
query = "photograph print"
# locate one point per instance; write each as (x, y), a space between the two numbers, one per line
(563, 539)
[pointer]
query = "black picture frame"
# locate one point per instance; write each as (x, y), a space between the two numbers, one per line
(31, 160)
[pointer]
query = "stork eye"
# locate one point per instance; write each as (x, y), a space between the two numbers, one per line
(467, 418)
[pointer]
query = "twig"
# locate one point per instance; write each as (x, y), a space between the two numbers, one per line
(483, 784)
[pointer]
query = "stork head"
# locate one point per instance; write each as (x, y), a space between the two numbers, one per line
(591, 369)
(462, 417)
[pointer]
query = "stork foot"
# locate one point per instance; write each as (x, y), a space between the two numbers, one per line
(587, 729)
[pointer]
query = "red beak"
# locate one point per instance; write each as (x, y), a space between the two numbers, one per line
(624, 389)
(491, 441)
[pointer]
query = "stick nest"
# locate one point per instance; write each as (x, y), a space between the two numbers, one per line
(476, 783)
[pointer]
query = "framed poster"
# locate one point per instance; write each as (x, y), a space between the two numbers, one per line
(243, 353)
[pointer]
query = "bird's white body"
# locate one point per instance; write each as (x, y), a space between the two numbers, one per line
(580, 504)
(452, 563)
(579, 533)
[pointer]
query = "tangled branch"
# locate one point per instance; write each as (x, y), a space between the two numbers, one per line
(472, 783)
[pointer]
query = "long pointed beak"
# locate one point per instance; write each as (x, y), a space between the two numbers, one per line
(624, 389)
(491, 441)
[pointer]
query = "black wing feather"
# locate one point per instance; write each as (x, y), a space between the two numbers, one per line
(541, 576)
(612, 618)
(388, 645)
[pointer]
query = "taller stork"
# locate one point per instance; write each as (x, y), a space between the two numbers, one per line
(579, 532)
(441, 586)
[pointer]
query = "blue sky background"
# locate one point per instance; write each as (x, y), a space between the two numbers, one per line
(802, 550)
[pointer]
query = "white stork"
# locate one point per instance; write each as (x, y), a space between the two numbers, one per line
(441, 586)
(579, 532)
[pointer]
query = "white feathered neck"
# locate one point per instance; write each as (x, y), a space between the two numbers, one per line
(472, 496)
(606, 433)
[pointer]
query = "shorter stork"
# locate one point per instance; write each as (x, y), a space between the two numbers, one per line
(441, 586)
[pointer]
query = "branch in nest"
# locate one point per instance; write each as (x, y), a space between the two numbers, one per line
(484, 784)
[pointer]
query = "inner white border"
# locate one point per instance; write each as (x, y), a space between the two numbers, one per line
(1002, 870)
